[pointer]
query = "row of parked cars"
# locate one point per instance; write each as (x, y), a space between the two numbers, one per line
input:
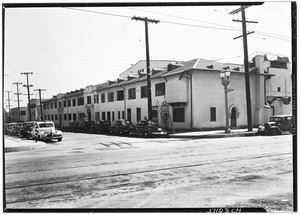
(120, 127)
(44, 130)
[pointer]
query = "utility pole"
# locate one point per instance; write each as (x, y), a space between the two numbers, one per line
(41, 107)
(28, 91)
(246, 65)
(146, 20)
(9, 116)
(17, 83)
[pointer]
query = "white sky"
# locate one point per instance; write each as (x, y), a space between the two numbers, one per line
(70, 49)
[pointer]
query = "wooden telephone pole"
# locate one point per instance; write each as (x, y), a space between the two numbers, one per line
(246, 64)
(17, 83)
(28, 91)
(9, 116)
(41, 107)
(146, 20)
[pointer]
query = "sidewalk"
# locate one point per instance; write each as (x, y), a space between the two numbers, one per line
(215, 134)
(15, 144)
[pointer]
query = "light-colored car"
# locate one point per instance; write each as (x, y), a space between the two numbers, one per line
(46, 131)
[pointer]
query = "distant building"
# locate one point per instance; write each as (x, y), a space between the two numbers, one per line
(14, 114)
(185, 95)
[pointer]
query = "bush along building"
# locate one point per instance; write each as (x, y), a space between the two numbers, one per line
(185, 95)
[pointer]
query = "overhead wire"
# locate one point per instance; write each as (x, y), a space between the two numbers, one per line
(184, 24)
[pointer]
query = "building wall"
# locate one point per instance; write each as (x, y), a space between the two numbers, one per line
(207, 95)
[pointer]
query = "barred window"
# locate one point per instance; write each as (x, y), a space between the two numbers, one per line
(74, 102)
(160, 89)
(131, 93)
(144, 93)
(178, 115)
(80, 101)
(120, 95)
(213, 117)
(102, 97)
(89, 99)
(110, 96)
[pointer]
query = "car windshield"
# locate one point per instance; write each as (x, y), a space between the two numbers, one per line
(275, 119)
(46, 125)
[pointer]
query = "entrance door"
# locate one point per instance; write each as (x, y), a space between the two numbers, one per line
(89, 115)
(233, 117)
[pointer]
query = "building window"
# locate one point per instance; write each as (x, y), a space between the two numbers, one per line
(119, 114)
(131, 93)
(80, 101)
(59, 104)
(110, 97)
(65, 103)
(103, 116)
(69, 103)
(97, 116)
(51, 116)
(138, 114)
(113, 116)
(89, 100)
(213, 116)
(129, 114)
(123, 115)
(102, 97)
(81, 116)
(48, 117)
(45, 117)
(160, 89)
(65, 117)
(96, 98)
(278, 89)
(69, 116)
(120, 95)
(178, 114)
(74, 117)
(51, 105)
(22, 113)
(56, 118)
(55, 105)
(74, 102)
(108, 116)
(48, 107)
(144, 93)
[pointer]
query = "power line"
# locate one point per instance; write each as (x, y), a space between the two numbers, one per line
(17, 83)
(185, 24)
(28, 91)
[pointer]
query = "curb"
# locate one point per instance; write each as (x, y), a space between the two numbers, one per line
(208, 136)
(25, 148)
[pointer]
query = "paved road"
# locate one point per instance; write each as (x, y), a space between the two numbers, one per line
(97, 171)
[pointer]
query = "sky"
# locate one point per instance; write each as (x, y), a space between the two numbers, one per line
(68, 48)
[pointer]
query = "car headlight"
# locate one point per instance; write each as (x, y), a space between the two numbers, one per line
(159, 129)
(58, 132)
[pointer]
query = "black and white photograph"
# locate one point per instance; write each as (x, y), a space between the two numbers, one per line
(149, 106)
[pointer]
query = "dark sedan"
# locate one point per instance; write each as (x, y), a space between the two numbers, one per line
(121, 127)
(146, 128)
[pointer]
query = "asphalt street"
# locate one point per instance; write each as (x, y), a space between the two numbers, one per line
(98, 171)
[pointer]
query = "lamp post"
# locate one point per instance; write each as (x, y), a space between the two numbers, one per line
(225, 82)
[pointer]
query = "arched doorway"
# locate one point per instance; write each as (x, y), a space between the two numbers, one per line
(233, 117)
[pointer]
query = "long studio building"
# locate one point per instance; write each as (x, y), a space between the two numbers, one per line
(185, 95)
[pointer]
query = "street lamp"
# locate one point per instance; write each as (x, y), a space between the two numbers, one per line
(225, 74)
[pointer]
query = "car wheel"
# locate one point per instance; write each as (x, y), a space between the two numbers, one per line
(274, 132)
(59, 139)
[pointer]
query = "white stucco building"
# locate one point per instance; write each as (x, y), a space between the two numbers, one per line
(185, 95)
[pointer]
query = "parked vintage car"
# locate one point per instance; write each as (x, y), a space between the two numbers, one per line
(277, 125)
(26, 131)
(102, 127)
(45, 131)
(146, 128)
(73, 126)
(121, 127)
